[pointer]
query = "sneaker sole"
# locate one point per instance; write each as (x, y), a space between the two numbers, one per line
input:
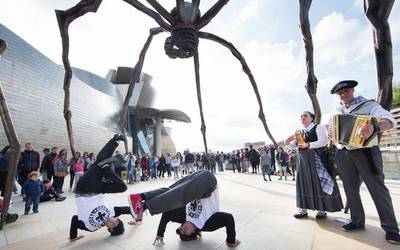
(353, 230)
(393, 242)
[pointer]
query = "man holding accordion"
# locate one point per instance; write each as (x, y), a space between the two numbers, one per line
(354, 129)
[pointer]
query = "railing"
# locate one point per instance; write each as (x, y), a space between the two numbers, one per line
(390, 145)
(391, 138)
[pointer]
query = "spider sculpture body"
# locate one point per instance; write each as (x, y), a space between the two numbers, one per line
(184, 23)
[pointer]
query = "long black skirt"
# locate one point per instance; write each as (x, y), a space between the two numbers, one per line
(309, 193)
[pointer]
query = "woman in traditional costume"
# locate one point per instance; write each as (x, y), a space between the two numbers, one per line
(316, 187)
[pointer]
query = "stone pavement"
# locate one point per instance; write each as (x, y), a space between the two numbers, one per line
(263, 213)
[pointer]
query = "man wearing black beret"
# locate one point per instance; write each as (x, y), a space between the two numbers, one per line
(366, 163)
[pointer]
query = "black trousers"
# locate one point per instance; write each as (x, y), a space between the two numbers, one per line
(253, 167)
(355, 163)
(58, 183)
(72, 177)
(196, 186)
(3, 180)
(101, 180)
(219, 220)
(78, 224)
(215, 222)
(50, 174)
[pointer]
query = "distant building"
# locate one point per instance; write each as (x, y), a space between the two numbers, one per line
(255, 144)
(33, 86)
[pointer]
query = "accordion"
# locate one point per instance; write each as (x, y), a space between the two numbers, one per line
(346, 129)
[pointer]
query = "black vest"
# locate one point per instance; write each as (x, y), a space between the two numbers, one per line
(311, 136)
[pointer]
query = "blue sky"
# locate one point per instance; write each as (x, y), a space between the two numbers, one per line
(265, 31)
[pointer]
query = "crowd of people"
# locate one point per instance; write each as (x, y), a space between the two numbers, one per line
(308, 156)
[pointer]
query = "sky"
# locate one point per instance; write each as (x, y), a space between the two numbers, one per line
(265, 32)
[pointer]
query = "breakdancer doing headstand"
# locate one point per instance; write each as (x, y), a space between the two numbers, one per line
(192, 201)
(93, 213)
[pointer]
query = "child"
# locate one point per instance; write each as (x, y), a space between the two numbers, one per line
(31, 191)
(265, 161)
(49, 193)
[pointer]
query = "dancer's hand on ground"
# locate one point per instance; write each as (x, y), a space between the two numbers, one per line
(77, 238)
(237, 242)
(159, 241)
(132, 222)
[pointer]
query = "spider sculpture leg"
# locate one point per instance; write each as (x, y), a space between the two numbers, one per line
(15, 146)
(64, 19)
(135, 77)
(210, 14)
(160, 9)
(378, 13)
(247, 70)
(203, 126)
(312, 81)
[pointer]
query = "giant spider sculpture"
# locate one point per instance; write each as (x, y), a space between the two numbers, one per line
(184, 23)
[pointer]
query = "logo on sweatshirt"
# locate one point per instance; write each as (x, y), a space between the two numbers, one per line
(194, 209)
(99, 216)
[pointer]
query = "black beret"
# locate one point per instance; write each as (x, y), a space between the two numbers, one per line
(119, 229)
(346, 84)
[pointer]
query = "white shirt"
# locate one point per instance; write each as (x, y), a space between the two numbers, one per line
(176, 163)
(199, 211)
(93, 211)
(321, 134)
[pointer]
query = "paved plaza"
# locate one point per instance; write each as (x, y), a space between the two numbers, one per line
(263, 213)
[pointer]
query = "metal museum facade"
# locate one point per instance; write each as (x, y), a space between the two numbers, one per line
(33, 85)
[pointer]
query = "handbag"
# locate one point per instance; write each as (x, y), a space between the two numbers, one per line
(61, 173)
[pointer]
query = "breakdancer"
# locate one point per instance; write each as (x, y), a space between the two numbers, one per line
(192, 201)
(93, 213)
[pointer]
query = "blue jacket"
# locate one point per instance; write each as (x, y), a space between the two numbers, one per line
(32, 188)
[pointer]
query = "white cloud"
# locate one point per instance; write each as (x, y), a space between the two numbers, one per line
(358, 4)
(341, 41)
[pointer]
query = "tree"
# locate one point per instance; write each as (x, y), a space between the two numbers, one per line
(396, 95)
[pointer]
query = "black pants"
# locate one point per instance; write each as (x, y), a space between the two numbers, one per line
(3, 180)
(58, 183)
(235, 164)
(49, 195)
(101, 180)
(355, 163)
(219, 220)
(196, 186)
(253, 167)
(168, 168)
(215, 222)
(50, 174)
(78, 224)
(71, 179)
(161, 170)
